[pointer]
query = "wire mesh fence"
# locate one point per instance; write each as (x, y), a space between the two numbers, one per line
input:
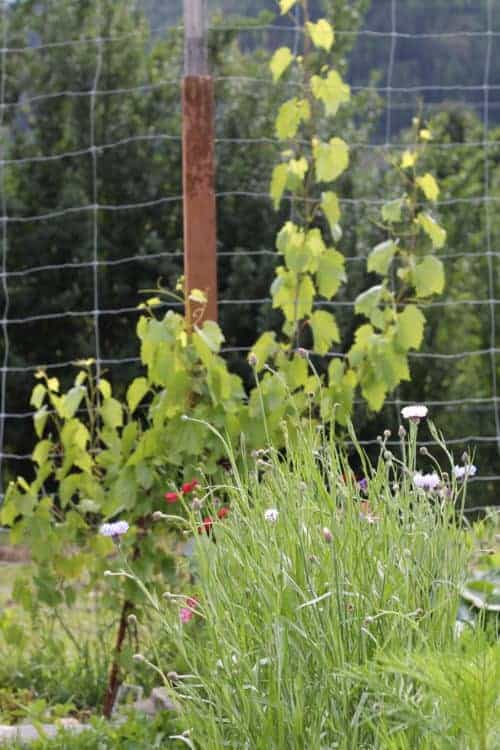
(91, 204)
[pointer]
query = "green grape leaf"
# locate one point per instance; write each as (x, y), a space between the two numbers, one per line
(285, 5)
(332, 91)
(105, 387)
(429, 276)
(290, 115)
(278, 183)
(391, 212)
(291, 242)
(367, 302)
(315, 247)
(331, 273)
(432, 229)
(280, 61)
(295, 297)
(265, 347)
(374, 392)
(410, 328)
(340, 394)
(409, 159)
(42, 451)
(381, 257)
(295, 370)
(331, 209)
(136, 392)
(211, 334)
(297, 168)
(428, 186)
(331, 159)
(111, 413)
(37, 395)
(325, 331)
(71, 401)
(40, 420)
(321, 33)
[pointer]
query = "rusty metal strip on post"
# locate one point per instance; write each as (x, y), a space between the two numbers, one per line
(198, 135)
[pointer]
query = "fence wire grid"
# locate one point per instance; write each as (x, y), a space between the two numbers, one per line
(91, 210)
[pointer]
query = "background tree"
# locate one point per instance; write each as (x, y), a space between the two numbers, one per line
(138, 65)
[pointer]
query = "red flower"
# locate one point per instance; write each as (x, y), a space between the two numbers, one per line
(171, 497)
(206, 526)
(223, 512)
(188, 487)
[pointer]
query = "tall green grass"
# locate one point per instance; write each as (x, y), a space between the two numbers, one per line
(300, 620)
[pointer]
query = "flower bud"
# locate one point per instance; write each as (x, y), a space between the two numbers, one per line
(158, 515)
(132, 619)
(424, 451)
(387, 434)
(139, 657)
(402, 432)
(252, 359)
(327, 535)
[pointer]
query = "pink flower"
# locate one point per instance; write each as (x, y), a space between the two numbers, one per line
(186, 615)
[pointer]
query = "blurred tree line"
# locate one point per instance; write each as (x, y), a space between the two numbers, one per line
(134, 122)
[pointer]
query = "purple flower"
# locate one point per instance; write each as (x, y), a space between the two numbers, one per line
(363, 484)
(464, 472)
(116, 529)
(426, 482)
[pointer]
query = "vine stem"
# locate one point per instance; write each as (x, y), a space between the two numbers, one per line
(114, 679)
(114, 672)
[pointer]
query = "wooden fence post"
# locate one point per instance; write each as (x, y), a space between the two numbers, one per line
(198, 135)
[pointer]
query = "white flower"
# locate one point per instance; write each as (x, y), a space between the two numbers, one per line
(415, 412)
(464, 472)
(427, 482)
(271, 515)
(114, 529)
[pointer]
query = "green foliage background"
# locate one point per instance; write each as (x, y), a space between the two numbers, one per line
(150, 169)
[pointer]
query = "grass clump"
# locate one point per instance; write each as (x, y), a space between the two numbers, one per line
(309, 588)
